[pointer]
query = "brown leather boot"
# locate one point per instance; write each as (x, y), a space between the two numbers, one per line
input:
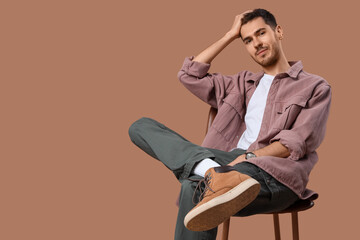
(226, 192)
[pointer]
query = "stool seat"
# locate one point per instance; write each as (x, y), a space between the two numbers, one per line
(298, 206)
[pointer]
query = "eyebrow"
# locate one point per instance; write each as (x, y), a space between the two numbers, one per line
(256, 32)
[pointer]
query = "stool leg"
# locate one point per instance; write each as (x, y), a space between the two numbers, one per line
(225, 232)
(295, 225)
(276, 226)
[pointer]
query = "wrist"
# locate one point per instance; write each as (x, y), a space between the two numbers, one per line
(231, 36)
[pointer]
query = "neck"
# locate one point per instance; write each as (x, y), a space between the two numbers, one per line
(280, 66)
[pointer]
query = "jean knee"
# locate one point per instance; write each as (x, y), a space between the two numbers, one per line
(136, 128)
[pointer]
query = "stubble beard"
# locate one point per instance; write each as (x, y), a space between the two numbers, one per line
(269, 60)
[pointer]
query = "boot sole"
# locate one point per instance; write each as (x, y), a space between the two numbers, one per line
(217, 210)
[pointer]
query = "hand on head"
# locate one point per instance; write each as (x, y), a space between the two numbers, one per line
(235, 29)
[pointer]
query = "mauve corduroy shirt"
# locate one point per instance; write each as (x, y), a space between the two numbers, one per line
(296, 113)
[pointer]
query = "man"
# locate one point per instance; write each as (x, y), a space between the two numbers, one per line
(260, 149)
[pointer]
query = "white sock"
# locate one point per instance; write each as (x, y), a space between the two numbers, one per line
(201, 168)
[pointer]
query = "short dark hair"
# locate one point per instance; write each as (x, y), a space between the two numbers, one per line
(268, 18)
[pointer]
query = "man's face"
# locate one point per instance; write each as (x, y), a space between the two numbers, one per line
(261, 41)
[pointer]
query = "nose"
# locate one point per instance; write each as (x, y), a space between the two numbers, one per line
(257, 43)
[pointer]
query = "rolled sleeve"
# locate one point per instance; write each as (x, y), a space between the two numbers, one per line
(196, 69)
(211, 88)
(293, 142)
(308, 130)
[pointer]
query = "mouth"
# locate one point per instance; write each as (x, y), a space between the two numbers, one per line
(261, 51)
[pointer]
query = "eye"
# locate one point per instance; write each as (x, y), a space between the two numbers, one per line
(247, 41)
(262, 33)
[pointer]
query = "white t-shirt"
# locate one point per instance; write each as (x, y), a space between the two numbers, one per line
(255, 112)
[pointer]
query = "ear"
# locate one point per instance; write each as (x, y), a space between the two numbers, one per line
(279, 32)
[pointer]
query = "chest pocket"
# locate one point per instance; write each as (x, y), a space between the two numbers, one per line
(229, 116)
(286, 112)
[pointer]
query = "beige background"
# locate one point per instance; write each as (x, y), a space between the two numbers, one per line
(76, 74)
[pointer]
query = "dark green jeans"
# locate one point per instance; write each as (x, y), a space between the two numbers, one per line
(179, 155)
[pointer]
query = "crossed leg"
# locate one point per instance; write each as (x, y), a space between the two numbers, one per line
(180, 156)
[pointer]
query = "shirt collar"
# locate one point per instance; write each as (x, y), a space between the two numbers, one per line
(293, 72)
(295, 68)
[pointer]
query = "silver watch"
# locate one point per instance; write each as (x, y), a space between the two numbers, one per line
(249, 155)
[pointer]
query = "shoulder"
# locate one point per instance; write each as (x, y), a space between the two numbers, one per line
(317, 86)
(312, 79)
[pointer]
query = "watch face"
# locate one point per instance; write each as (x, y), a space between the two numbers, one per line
(250, 155)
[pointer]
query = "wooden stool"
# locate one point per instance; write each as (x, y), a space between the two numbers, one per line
(300, 205)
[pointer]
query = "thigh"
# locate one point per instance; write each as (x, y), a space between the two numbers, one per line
(273, 195)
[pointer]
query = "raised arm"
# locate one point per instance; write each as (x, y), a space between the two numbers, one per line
(211, 52)
(211, 88)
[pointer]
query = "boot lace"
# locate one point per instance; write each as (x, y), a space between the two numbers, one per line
(202, 184)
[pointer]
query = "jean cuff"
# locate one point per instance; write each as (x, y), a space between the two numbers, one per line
(189, 166)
